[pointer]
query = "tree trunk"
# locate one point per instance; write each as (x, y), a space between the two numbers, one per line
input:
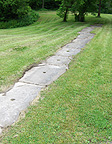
(65, 16)
(99, 10)
(76, 18)
(81, 17)
(43, 4)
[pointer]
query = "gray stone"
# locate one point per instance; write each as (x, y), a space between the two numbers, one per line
(86, 30)
(0, 131)
(68, 52)
(76, 44)
(80, 43)
(16, 100)
(71, 45)
(43, 75)
(87, 36)
(58, 60)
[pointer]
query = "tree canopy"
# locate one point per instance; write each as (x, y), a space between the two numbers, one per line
(47, 4)
(12, 9)
(80, 7)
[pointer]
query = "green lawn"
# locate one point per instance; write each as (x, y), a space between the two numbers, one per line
(76, 108)
(22, 47)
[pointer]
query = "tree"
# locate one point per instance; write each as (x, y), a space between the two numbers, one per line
(43, 4)
(104, 6)
(47, 4)
(99, 9)
(64, 8)
(35, 4)
(78, 7)
(75, 6)
(13, 9)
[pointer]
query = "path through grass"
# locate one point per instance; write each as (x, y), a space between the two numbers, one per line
(77, 107)
(21, 47)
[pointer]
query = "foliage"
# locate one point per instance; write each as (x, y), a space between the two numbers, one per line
(74, 6)
(63, 11)
(64, 8)
(81, 7)
(13, 9)
(48, 4)
(27, 19)
(106, 6)
(34, 4)
(84, 7)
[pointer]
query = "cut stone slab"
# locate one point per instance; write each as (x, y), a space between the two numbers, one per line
(87, 36)
(87, 30)
(80, 43)
(58, 60)
(0, 131)
(68, 52)
(16, 100)
(76, 44)
(71, 45)
(43, 75)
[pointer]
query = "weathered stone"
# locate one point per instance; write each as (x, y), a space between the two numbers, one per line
(0, 131)
(16, 100)
(71, 45)
(43, 75)
(75, 45)
(87, 30)
(68, 52)
(87, 36)
(58, 60)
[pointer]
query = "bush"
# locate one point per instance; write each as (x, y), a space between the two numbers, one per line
(13, 9)
(28, 19)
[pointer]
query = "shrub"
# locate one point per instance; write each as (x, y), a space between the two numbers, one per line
(13, 9)
(25, 20)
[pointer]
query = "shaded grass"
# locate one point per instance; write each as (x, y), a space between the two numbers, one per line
(77, 107)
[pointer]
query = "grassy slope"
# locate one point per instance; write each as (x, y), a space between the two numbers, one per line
(77, 107)
(21, 47)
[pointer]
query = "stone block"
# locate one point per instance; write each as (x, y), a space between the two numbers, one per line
(58, 60)
(16, 100)
(43, 75)
(68, 52)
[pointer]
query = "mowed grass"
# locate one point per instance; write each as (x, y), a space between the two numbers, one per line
(22, 47)
(76, 108)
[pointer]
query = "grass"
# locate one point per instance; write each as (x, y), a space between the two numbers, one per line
(77, 107)
(22, 47)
